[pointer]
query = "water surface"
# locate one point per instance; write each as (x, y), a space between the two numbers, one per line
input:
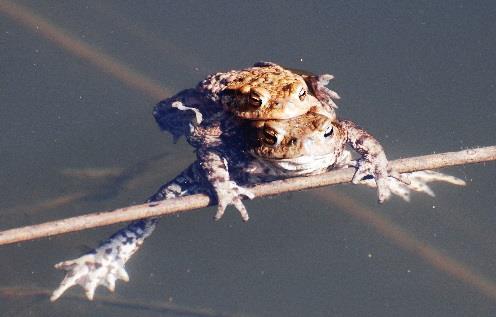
(420, 76)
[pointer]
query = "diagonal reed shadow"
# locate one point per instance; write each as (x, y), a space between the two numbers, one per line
(409, 242)
(73, 45)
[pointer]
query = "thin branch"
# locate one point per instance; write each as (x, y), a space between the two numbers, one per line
(187, 203)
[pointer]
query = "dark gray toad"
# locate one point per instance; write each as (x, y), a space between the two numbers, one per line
(248, 126)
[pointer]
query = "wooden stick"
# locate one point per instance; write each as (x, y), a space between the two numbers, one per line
(187, 203)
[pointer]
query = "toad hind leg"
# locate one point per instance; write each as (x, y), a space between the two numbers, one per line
(106, 264)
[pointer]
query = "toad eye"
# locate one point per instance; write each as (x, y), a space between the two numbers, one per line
(269, 136)
(258, 97)
(328, 132)
(255, 100)
(302, 94)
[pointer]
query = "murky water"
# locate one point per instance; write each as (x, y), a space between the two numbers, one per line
(77, 136)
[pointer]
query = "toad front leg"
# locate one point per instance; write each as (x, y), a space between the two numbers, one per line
(181, 115)
(106, 264)
(373, 160)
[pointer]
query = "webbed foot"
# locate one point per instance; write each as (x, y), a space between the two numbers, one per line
(90, 271)
(105, 264)
(229, 193)
(419, 182)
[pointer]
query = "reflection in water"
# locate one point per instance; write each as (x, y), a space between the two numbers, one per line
(77, 47)
(407, 241)
(16, 293)
(184, 57)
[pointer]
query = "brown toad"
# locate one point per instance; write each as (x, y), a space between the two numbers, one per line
(268, 91)
(295, 147)
(304, 145)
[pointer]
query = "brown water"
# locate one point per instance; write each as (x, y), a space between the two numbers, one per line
(420, 77)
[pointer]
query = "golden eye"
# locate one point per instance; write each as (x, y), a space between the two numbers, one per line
(302, 94)
(269, 136)
(255, 100)
(328, 132)
(258, 97)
